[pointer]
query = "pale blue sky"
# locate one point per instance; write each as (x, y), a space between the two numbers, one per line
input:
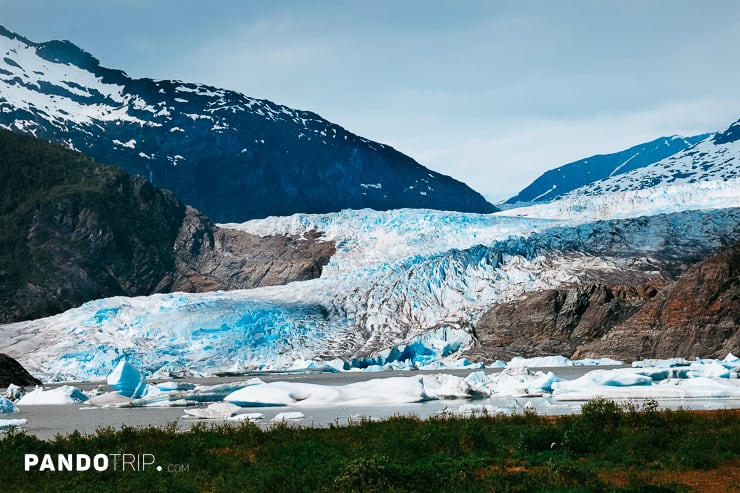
(491, 92)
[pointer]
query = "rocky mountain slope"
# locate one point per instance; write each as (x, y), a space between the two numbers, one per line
(559, 181)
(697, 316)
(75, 230)
(12, 372)
(555, 321)
(228, 155)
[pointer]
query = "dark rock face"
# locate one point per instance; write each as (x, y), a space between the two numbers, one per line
(554, 322)
(209, 258)
(732, 134)
(12, 372)
(228, 155)
(697, 316)
(75, 231)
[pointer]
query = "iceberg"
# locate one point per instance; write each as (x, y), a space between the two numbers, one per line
(513, 382)
(288, 416)
(392, 390)
(468, 410)
(65, 394)
(13, 392)
(651, 383)
(127, 380)
(252, 417)
(539, 362)
(217, 410)
(7, 406)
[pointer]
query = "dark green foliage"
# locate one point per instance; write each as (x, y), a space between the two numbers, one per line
(75, 230)
(499, 453)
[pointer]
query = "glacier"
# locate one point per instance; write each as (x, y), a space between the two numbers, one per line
(404, 285)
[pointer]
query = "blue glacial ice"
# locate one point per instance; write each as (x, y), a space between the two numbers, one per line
(7, 406)
(404, 289)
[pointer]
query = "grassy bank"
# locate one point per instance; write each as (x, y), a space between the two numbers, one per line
(606, 448)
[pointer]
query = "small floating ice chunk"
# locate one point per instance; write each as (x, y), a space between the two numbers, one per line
(731, 360)
(7, 406)
(603, 378)
(12, 423)
(217, 410)
(597, 362)
(444, 386)
(713, 369)
(513, 382)
(661, 363)
(475, 410)
(13, 392)
(174, 386)
(292, 416)
(539, 362)
(109, 399)
(247, 417)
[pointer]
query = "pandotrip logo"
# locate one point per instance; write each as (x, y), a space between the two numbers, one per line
(98, 462)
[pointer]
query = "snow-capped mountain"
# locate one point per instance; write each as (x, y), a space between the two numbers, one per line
(231, 156)
(559, 181)
(401, 284)
(706, 175)
(714, 159)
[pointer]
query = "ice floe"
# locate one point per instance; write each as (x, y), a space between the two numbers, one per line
(7, 406)
(217, 410)
(12, 423)
(66, 394)
(288, 416)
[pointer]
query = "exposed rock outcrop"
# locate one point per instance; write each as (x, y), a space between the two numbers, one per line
(209, 258)
(555, 321)
(697, 316)
(12, 372)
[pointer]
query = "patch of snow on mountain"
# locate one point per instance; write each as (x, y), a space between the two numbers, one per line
(24, 77)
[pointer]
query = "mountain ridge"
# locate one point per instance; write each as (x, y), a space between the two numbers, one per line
(557, 182)
(229, 155)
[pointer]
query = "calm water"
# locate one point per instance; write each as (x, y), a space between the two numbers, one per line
(47, 421)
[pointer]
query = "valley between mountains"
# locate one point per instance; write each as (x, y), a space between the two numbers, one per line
(234, 234)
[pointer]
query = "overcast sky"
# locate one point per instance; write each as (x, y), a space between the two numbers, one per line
(491, 92)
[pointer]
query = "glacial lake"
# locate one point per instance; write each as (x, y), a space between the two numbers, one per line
(49, 420)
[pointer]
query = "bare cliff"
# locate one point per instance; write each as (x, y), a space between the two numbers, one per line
(696, 315)
(75, 230)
